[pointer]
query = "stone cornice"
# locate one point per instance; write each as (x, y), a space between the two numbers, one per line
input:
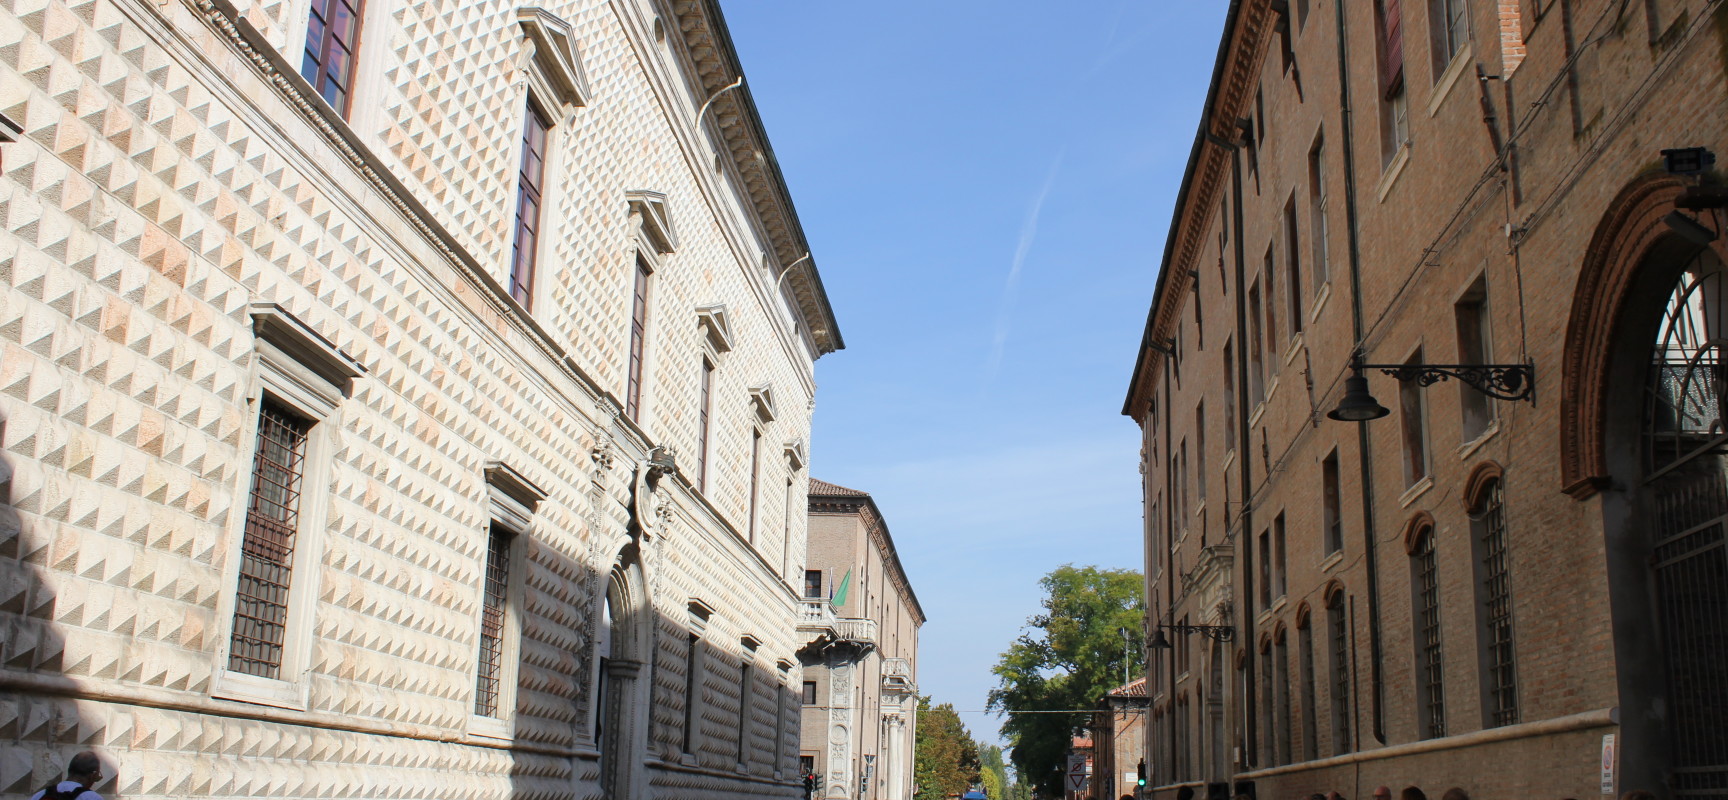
(702, 29)
(1243, 46)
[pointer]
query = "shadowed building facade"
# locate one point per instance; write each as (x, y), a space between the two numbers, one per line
(1479, 585)
(860, 625)
(398, 397)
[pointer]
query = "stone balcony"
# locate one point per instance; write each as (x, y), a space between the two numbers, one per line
(897, 676)
(823, 630)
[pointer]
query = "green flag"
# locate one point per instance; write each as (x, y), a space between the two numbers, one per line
(839, 598)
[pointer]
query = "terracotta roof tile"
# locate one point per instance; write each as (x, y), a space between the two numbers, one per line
(1137, 688)
(822, 488)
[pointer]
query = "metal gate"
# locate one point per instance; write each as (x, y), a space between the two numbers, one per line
(1686, 464)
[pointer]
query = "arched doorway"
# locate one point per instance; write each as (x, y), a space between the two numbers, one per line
(620, 653)
(1666, 521)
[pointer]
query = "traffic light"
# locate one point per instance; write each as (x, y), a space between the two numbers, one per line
(1140, 776)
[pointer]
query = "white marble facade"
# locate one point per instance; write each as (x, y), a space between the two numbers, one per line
(190, 235)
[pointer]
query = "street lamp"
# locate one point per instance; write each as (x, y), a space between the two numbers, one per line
(1499, 381)
(1217, 633)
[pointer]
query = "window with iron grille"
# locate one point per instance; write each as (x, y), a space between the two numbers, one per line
(1340, 674)
(1499, 657)
(1268, 735)
(530, 179)
(745, 690)
(1429, 661)
(638, 339)
(1310, 723)
(332, 38)
(267, 549)
(486, 690)
(692, 663)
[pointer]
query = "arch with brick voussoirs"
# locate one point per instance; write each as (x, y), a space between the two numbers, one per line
(1641, 434)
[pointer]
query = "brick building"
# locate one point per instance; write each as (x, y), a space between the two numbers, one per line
(1118, 742)
(1471, 591)
(399, 398)
(860, 656)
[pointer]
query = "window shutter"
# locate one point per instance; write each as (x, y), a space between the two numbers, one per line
(1391, 47)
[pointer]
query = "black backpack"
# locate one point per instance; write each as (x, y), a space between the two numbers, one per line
(52, 792)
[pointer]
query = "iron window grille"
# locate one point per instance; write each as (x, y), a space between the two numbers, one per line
(638, 340)
(487, 691)
(267, 548)
(1497, 609)
(1340, 675)
(1430, 659)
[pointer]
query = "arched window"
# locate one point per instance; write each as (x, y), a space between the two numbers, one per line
(1281, 692)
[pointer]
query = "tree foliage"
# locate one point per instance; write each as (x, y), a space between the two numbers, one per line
(946, 759)
(1069, 657)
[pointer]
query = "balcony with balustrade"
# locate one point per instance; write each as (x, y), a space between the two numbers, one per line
(823, 630)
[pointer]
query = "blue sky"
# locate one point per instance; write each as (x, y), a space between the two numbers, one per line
(986, 185)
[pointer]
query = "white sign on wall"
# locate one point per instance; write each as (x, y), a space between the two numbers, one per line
(1608, 758)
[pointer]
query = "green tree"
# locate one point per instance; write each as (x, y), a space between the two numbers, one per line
(993, 773)
(1070, 656)
(946, 758)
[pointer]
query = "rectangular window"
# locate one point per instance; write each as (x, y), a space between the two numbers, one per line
(704, 413)
(1319, 230)
(1340, 674)
(1310, 723)
(1265, 570)
(1449, 29)
(1425, 582)
(1182, 482)
(1229, 397)
(267, 549)
(638, 339)
(1278, 562)
(813, 583)
(1293, 265)
(332, 38)
(491, 664)
(1199, 322)
(1413, 416)
(1271, 308)
(692, 663)
(1471, 315)
(1394, 124)
(755, 482)
(1390, 21)
(809, 693)
(1331, 509)
(745, 698)
(1200, 452)
(529, 181)
(1256, 365)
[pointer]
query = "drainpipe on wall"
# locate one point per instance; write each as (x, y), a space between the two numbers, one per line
(1376, 680)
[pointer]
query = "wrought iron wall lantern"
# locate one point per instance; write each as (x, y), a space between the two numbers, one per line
(1217, 633)
(1499, 381)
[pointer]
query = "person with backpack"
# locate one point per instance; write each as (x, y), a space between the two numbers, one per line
(82, 772)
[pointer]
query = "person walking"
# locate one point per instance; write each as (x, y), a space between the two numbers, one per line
(82, 772)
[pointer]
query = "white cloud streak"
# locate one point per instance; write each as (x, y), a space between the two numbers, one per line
(1011, 289)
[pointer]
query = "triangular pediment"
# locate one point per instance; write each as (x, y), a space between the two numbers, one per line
(555, 54)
